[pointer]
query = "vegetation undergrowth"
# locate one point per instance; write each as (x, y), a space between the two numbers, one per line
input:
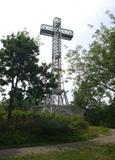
(34, 128)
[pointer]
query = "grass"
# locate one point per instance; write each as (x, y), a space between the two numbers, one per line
(94, 132)
(90, 152)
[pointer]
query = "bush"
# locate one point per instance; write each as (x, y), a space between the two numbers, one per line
(2, 115)
(96, 116)
(101, 116)
(54, 127)
(79, 126)
(34, 128)
(54, 124)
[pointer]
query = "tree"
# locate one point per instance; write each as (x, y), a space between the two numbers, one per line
(20, 71)
(94, 69)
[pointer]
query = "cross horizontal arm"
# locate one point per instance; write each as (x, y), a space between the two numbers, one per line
(66, 34)
(48, 30)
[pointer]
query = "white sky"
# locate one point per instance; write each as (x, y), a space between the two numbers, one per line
(16, 15)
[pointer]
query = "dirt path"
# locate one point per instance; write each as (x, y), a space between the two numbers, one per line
(106, 139)
(50, 148)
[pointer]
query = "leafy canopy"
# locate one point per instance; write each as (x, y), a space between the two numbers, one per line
(93, 70)
(21, 72)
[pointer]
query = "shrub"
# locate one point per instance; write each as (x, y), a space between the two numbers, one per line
(2, 115)
(54, 127)
(29, 128)
(95, 116)
(54, 124)
(104, 116)
(79, 126)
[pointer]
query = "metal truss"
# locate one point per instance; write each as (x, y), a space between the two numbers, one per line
(58, 99)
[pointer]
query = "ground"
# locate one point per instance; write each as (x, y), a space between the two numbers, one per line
(110, 138)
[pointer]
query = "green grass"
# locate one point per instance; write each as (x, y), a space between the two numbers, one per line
(90, 152)
(94, 132)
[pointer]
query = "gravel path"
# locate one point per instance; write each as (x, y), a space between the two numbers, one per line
(50, 148)
(106, 139)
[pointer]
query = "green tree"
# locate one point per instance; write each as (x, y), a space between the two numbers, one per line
(20, 71)
(94, 69)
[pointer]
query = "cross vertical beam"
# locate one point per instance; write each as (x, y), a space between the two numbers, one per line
(56, 57)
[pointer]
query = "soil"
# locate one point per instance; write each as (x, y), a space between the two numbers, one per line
(106, 139)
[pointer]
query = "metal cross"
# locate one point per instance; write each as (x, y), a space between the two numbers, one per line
(57, 33)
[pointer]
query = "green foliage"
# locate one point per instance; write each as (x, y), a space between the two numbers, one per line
(93, 70)
(29, 128)
(96, 116)
(93, 132)
(54, 124)
(101, 116)
(28, 82)
(79, 126)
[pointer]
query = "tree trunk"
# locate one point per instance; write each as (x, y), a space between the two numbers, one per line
(10, 107)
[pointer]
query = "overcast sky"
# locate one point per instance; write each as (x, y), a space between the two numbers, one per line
(16, 15)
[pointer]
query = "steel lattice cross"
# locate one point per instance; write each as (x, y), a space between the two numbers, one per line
(57, 33)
